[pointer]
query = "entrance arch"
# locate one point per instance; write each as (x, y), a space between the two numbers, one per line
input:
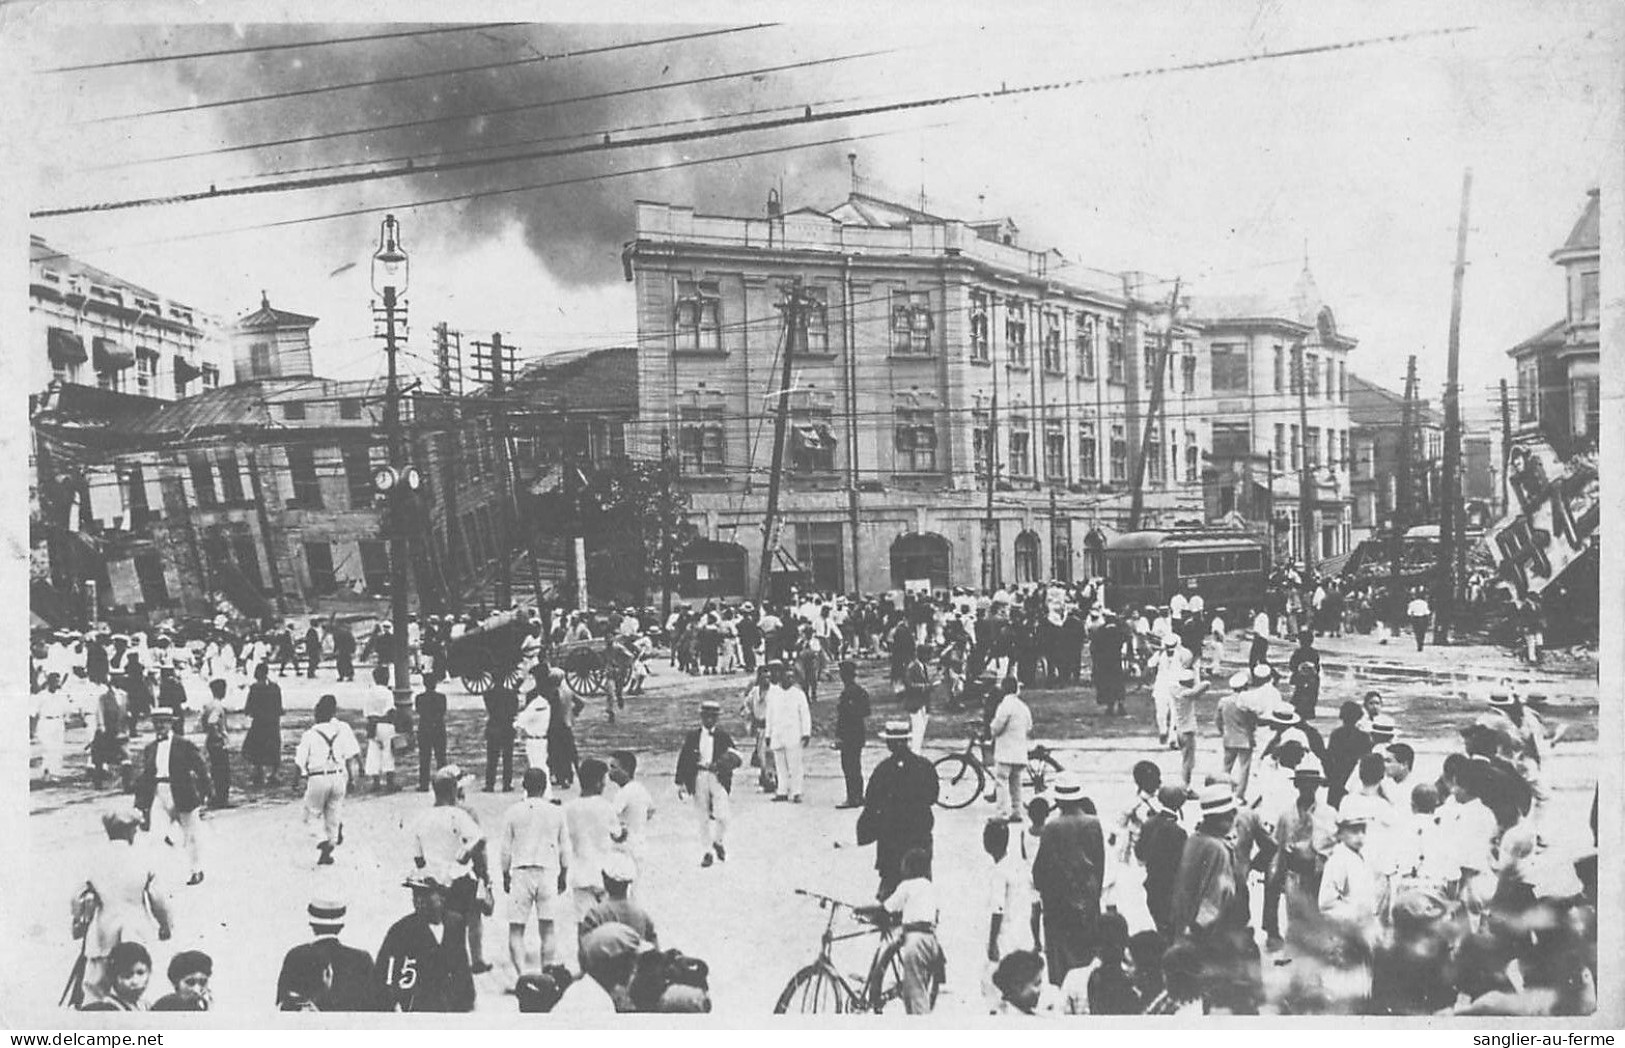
(920, 555)
(1028, 568)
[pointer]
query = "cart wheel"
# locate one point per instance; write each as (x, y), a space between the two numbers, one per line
(514, 678)
(478, 682)
(581, 682)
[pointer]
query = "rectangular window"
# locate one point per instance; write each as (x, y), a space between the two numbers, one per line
(1149, 364)
(358, 476)
(1054, 451)
(1314, 376)
(146, 372)
(149, 571)
(319, 564)
(1187, 369)
(1589, 296)
(700, 440)
(1053, 363)
(1528, 390)
(1585, 413)
(1278, 463)
(980, 443)
(1088, 452)
(1086, 347)
(817, 320)
(980, 349)
(911, 323)
(136, 485)
(1232, 440)
(248, 560)
(1119, 450)
(812, 440)
(1114, 353)
(1311, 447)
(1060, 550)
(1230, 369)
(699, 316)
(1296, 449)
(259, 360)
(1015, 333)
(1155, 467)
(1342, 382)
(350, 408)
(293, 410)
(617, 440)
(211, 377)
(231, 478)
(1193, 457)
(1343, 450)
(202, 479)
(307, 489)
(1021, 461)
(819, 549)
(915, 440)
(1280, 369)
(375, 565)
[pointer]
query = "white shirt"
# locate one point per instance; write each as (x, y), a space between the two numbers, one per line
(788, 718)
(1011, 726)
(1010, 894)
(533, 834)
(707, 747)
(535, 719)
(325, 747)
(160, 758)
(1418, 608)
(633, 807)
(1195, 605)
(444, 836)
(915, 901)
(590, 822)
(1178, 606)
(380, 703)
(1348, 889)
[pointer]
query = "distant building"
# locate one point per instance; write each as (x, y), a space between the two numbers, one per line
(941, 355)
(88, 327)
(1558, 368)
(1258, 346)
(258, 495)
(1376, 418)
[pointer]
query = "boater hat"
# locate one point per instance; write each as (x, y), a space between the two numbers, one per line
(1382, 724)
(895, 731)
(1263, 671)
(1217, 799)
(326, 912)
(1309, 768)
(1240, 679)
(710, 706)
(1283, 717)
(1068, 787)
(1169, 640)
(1502, 700)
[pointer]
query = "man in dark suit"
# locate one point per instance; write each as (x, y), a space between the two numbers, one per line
(431, 710)
(344, 651)
(897, 815)
(423, 964)
(501, 707)
(1068, 872)
(325, 975)
(1106, 662)
(313, 648)
(176, 778)
(705, 770)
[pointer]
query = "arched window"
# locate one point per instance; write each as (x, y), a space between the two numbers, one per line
(920, 556)
(1028, 568)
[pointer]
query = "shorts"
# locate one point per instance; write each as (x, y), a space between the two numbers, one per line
(535, 891)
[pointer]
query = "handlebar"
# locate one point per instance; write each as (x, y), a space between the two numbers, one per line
(827, 900)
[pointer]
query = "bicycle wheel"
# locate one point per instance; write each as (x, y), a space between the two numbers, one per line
(883, 992)
(1041, 764)
(816, 988)
(959, 780)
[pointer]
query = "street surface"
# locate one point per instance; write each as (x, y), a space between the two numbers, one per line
(741, 916)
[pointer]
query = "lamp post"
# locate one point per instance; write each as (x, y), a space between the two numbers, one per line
(397, 482)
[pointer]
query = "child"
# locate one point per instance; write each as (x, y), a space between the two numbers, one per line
(1020, 982)
(1182, 983)
(1038, 810)
(129, 967)
(1348, 888)
(380, 759)
(913, 906)
(189, 972)
(1111, 985)
(633, 805)
(1147, 780)
(1344, 750)
(1009, 895)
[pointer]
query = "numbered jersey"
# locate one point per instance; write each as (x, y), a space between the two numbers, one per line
(424, 968)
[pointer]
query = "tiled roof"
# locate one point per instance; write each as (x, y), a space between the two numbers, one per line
(269, 318)
(1550, 336)
(1375, 406)
(584, 379)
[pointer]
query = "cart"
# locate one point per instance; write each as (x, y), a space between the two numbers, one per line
(489, 654)
(590, 669)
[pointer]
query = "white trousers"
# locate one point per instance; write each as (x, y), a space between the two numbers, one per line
(791, 765)
(53, 734)
(916, 730)
(712, 804)
(163, 803)
(536, 751)
(380, 752)
(324, 801)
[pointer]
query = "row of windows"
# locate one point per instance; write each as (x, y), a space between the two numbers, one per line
(142, 380)
(1326, 379)
(77, 285)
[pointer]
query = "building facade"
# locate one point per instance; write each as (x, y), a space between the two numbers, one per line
(1279, 413)
(89, 327)
(1377, 416)
(941, 359)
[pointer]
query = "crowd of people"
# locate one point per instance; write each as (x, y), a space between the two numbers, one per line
(1383, 879)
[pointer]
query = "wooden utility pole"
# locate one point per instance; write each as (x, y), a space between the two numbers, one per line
(1450, 545)
(1506, 448)
(499, 425)
(989, 536)
(1306, 475)
(795, 320)
(1153, 412)
(1399, 515)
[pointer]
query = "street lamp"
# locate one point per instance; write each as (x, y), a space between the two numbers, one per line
(389, 274)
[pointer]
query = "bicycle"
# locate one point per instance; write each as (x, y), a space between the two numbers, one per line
(963, 776)
(820, 987)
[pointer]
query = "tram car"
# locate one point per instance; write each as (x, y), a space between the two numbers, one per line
(1230, 568)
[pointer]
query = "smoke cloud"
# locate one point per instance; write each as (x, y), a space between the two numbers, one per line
(576, 231)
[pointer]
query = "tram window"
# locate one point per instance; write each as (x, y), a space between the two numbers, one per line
(1250, 561)
(1152, 574)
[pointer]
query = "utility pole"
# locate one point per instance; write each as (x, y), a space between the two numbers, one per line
(1450, 545)
(989, 533)
(1506, 448)
(1399, 516)
(389, 279)
(666, 471)
(504, 593)
(1306, 475)
(448, 360)
(1152, 414)
(795, 319)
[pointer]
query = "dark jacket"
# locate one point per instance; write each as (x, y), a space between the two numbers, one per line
(440, 979)
(688, 759)
(1160, 848)
(187, 773)
(1106, 652)
(329, 976)
(431, 707)
(851, 716)
(897, 813)
(501, 707)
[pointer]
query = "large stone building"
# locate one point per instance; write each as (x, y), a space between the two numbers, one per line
(1378, 419)
(259, 495)
(1279, 407)
(938, 354)
(89, 327)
